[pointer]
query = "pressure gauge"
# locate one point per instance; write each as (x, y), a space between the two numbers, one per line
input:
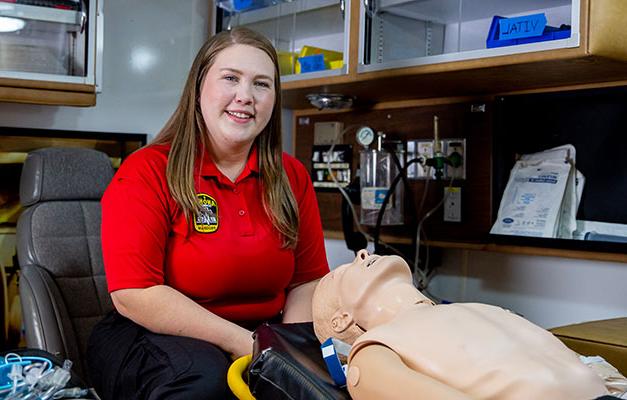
(365, 136)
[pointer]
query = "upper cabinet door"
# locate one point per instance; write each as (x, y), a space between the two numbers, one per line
(311, 36)
(48, 41)
(400, 33)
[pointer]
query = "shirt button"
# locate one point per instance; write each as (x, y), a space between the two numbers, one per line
(241, 213)
(235, 191)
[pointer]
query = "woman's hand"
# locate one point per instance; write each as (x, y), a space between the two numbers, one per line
(241, 345)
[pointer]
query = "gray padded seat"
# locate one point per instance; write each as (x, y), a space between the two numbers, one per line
(63, 291)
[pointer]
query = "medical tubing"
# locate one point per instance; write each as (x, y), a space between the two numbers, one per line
(34, 378)
(368, 237)
(416, 239)
(71, 393)
(427, 274)
(401, 175)
(341, 189)
(424, 192)
(420, 208)
(347, 197)
(417, 253)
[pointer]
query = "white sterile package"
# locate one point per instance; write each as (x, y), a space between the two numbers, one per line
(542, 195)
(615, 382)
(562, 153)
(532, 201)
(566, 223)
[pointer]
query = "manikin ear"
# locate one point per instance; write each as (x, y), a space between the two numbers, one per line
(340, 321)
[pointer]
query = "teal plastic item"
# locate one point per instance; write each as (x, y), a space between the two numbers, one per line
(7, 362)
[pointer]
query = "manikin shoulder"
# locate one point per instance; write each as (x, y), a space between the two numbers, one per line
(485, 351)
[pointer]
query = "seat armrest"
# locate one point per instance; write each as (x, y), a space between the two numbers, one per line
(45, 317)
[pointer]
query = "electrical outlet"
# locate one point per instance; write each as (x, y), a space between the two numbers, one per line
(421, 149)
(453, 204)
(457, 146)
(328, 132)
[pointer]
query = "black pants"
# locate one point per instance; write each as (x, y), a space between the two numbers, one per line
(127, 361)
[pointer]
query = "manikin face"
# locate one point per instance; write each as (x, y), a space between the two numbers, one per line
(373, 288)
(237, 96)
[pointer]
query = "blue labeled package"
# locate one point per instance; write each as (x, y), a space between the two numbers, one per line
(522, 27)
(237, 6)
(312, 63)
(520, 30)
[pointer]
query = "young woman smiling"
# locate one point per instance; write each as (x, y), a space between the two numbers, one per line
(207, 232)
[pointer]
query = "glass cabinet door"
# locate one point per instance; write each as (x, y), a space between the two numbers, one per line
(47, 40)
(398, 33)
(311, 36)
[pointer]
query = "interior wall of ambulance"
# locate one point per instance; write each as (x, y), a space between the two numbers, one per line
(549, 291)
(149, 46)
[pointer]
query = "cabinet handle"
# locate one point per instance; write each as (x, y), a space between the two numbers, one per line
(83, 21)
(370, 7)
(343, 8)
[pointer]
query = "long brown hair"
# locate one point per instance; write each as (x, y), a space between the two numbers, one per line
(185, 131)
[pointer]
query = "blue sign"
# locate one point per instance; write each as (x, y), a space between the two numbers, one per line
(522, 27)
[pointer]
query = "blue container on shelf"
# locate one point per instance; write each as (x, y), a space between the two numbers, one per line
(520, 30)
(311, 63)
(241, 5)
(236, 6)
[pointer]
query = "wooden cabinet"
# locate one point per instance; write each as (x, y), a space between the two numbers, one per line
(595, 54)
(484, 123)
(49, 52)
(399, 93)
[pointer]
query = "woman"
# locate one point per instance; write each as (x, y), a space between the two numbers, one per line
(206, 233)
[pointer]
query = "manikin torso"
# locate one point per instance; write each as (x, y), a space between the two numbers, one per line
(485, 352)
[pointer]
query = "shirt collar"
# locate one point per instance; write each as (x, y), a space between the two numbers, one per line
(209, 168)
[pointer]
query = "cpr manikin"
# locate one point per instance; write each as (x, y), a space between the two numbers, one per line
(406, 347)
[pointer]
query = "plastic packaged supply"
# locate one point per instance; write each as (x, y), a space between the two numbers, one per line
(311, 58)
(532, 201)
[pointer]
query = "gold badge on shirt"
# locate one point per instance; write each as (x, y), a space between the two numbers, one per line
(207, 220)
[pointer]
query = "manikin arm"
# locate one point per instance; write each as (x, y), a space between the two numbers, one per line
(377, 373)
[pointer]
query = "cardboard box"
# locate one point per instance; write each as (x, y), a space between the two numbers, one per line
(605, 338)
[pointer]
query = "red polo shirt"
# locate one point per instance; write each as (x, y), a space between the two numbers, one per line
(230, 259)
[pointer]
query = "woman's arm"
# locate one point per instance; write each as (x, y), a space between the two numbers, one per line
(376, 372)
(298, 303)
(162, 309)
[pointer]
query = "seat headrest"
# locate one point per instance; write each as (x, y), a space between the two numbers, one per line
(58, 173)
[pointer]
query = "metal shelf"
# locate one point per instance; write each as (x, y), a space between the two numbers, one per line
(450, 11)
(47, 14)
(281, 9)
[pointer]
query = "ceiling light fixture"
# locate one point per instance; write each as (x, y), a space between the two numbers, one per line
(8, 24)
(334, 101)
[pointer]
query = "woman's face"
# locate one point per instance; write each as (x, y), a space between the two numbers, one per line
(237, 95)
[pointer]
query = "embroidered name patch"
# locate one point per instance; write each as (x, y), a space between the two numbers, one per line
(207, 220)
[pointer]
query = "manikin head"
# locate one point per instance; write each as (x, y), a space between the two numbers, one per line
(356, 297)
